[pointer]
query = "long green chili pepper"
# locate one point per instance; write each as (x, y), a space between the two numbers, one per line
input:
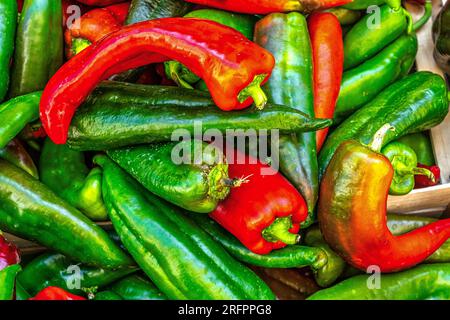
(8, 23)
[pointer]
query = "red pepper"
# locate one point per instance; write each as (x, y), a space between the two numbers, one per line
(19, 5)
(328, 60)
(425, 182)
(9, 254)
(232, 66)
(270, 6)
(94, 25)
(55, 293)
(264, 212)
(100, 3)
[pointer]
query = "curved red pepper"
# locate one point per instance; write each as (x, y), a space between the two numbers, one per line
(55, 293)
(94, 25)
(9, 254)
(328, 59)
(265, 212)
(100, 3)
(270, 6)
(232, 66)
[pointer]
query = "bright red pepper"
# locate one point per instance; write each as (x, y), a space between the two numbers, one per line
(100, 3)
(328, 60)
(9, 254)
(425, 182)
(264, 212)
(55, 293)
(94, 25)
(232, 66)
(270, 6)
(19, 5)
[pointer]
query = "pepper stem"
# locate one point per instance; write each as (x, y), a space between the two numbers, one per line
(218, 190)
(79, 44)
(403, 170)
(279, 231)
(236, 182)
(394, 4)
(409, 19)
(377, 141)
(424, 172)
(425, 17)
(254, 90)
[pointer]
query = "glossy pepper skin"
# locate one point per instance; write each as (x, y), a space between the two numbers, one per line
(92, 26)
(421, 144)
(294, 256)
(143, 10)
(441, 35)
(424, 282)
(8, 281)
(15, 114)
(9, 254)
(286, 37)
(99, 3)
(232, 66)
(8, 23)
(135, 287)
(64, 171)
(404, 162)
(373, 75)
(41, 216)
(272, 217)
(328, 61)
(352, 206)
(54, 269)
(55, 293)
(16, 154)
(270, 6)
(39, 46)
(176, 254)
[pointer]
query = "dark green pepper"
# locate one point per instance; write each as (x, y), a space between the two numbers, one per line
(107, 295)
(39, 46)
(15, 114)
(8, 23)
(56, 270)
(21, 293)
(143, 10)
(293, 256)
(431, 282)
(364, 82)
(404, 162)
(176, 254)
(414, 104)
(286, 36)
(366, 39)
(135, 287)
(8, 281)
(441, 36)
(197, 181)
(30, 210)
(16, 154)
(421, 144)
(64, 171)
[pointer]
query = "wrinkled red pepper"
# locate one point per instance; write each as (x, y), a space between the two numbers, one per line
(232, 66)
(425, 182)
(9, 254)
(100, 3)
(270, 6)
(328, 60)
(264, 212)
(55, 293)
(94, 25)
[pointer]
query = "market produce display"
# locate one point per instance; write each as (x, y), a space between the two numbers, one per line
(220, 150)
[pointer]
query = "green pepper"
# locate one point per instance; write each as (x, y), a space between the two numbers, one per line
(64, 171)
(441, 36)
(345, 16)
(107, 295)
(286, 36)
(364, 82)
(8, 281)
(421, 144)
(197, 185)
(8, 23)
(135, 287)
(365, 40)
(364, 4)
(21, 293)
(39, 46)
(176, 254)
(15, 114)
(292, 256)
(431, 282)
(56, 270)
(404, 162)
(16, 154)
(143, 10)
(40, 215)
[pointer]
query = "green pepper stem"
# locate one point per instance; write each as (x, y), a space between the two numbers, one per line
(402, 170)
(279, 231)
(377, 141)
(425, 17)
(394, 4)
(254, 90)
(79, 44)
(172, 69)
(410, 22)
(424, 172)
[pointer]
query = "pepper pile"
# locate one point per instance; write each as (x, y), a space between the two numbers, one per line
(148, 125)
